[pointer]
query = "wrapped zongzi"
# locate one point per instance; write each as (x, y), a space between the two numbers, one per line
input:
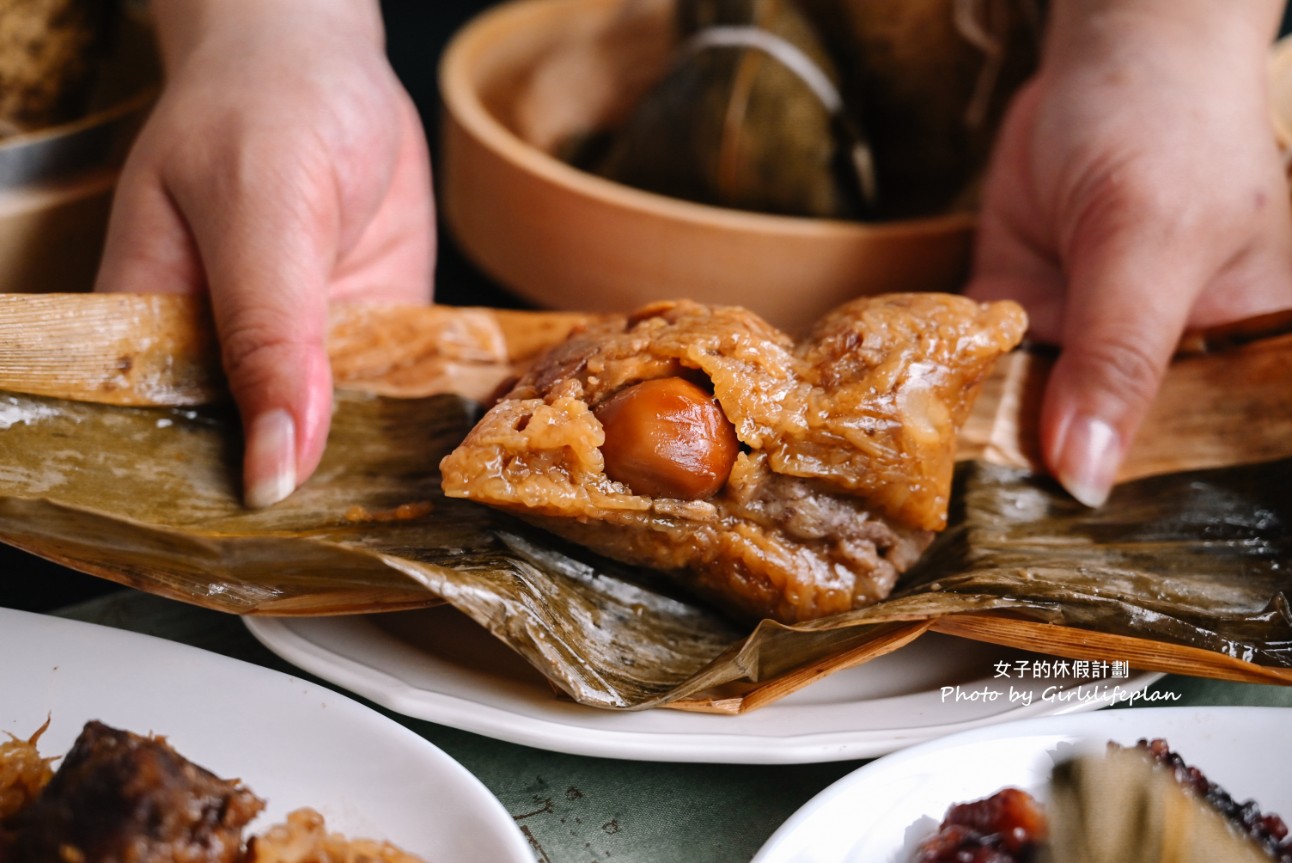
(934, 77)
(750, 116)
(49, 50)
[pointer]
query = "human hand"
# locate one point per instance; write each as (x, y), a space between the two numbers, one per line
(1135, 193)
(284, 167)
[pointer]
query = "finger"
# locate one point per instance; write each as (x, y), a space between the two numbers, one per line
(1013, 255)
(396, 263)
(1007, 268)
(1256, 283)
(148, 247)
(267, 239)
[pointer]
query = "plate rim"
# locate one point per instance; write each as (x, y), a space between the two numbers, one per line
(342, 705)
(782, 842)
(281, 636)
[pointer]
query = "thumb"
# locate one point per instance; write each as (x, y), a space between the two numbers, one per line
(268, 255)
(269, 295)
(1126, 308)
(148, 247)
(264, 267)
(275, 356)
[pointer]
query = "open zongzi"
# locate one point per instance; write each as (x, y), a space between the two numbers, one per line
(780, 479)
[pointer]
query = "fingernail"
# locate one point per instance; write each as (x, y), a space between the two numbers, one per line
(1090, 455)
(270, 459)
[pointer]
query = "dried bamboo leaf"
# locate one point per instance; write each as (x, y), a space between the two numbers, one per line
(743, 695)
(1196, 559)
(144, 496)
(110, 348)
(406, 352)
(1185, 571)
(1199, 418)
(1142, 653)
(135, 349)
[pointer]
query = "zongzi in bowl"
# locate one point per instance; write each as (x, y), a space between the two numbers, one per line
(524, 77)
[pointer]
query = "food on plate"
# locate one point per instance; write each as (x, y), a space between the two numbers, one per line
(1126, 807)
(1265, 828)
(778, 478)
(1007, 827)
(303, 838)
(119, 796)
(1128, 804)
(23, 772)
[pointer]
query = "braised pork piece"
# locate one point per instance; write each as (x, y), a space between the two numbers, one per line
(120, 796)
(780, 479)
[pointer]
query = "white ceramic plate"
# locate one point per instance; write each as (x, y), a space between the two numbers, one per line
(880, 812)
(438, 665)
(292, 742)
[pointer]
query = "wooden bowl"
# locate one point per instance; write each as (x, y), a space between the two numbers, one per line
(563, 238)
(56, 183)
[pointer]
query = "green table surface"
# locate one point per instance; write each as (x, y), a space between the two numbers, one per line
(575, 809)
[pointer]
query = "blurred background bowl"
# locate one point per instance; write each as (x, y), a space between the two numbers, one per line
(562, 238)
(56, 182)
